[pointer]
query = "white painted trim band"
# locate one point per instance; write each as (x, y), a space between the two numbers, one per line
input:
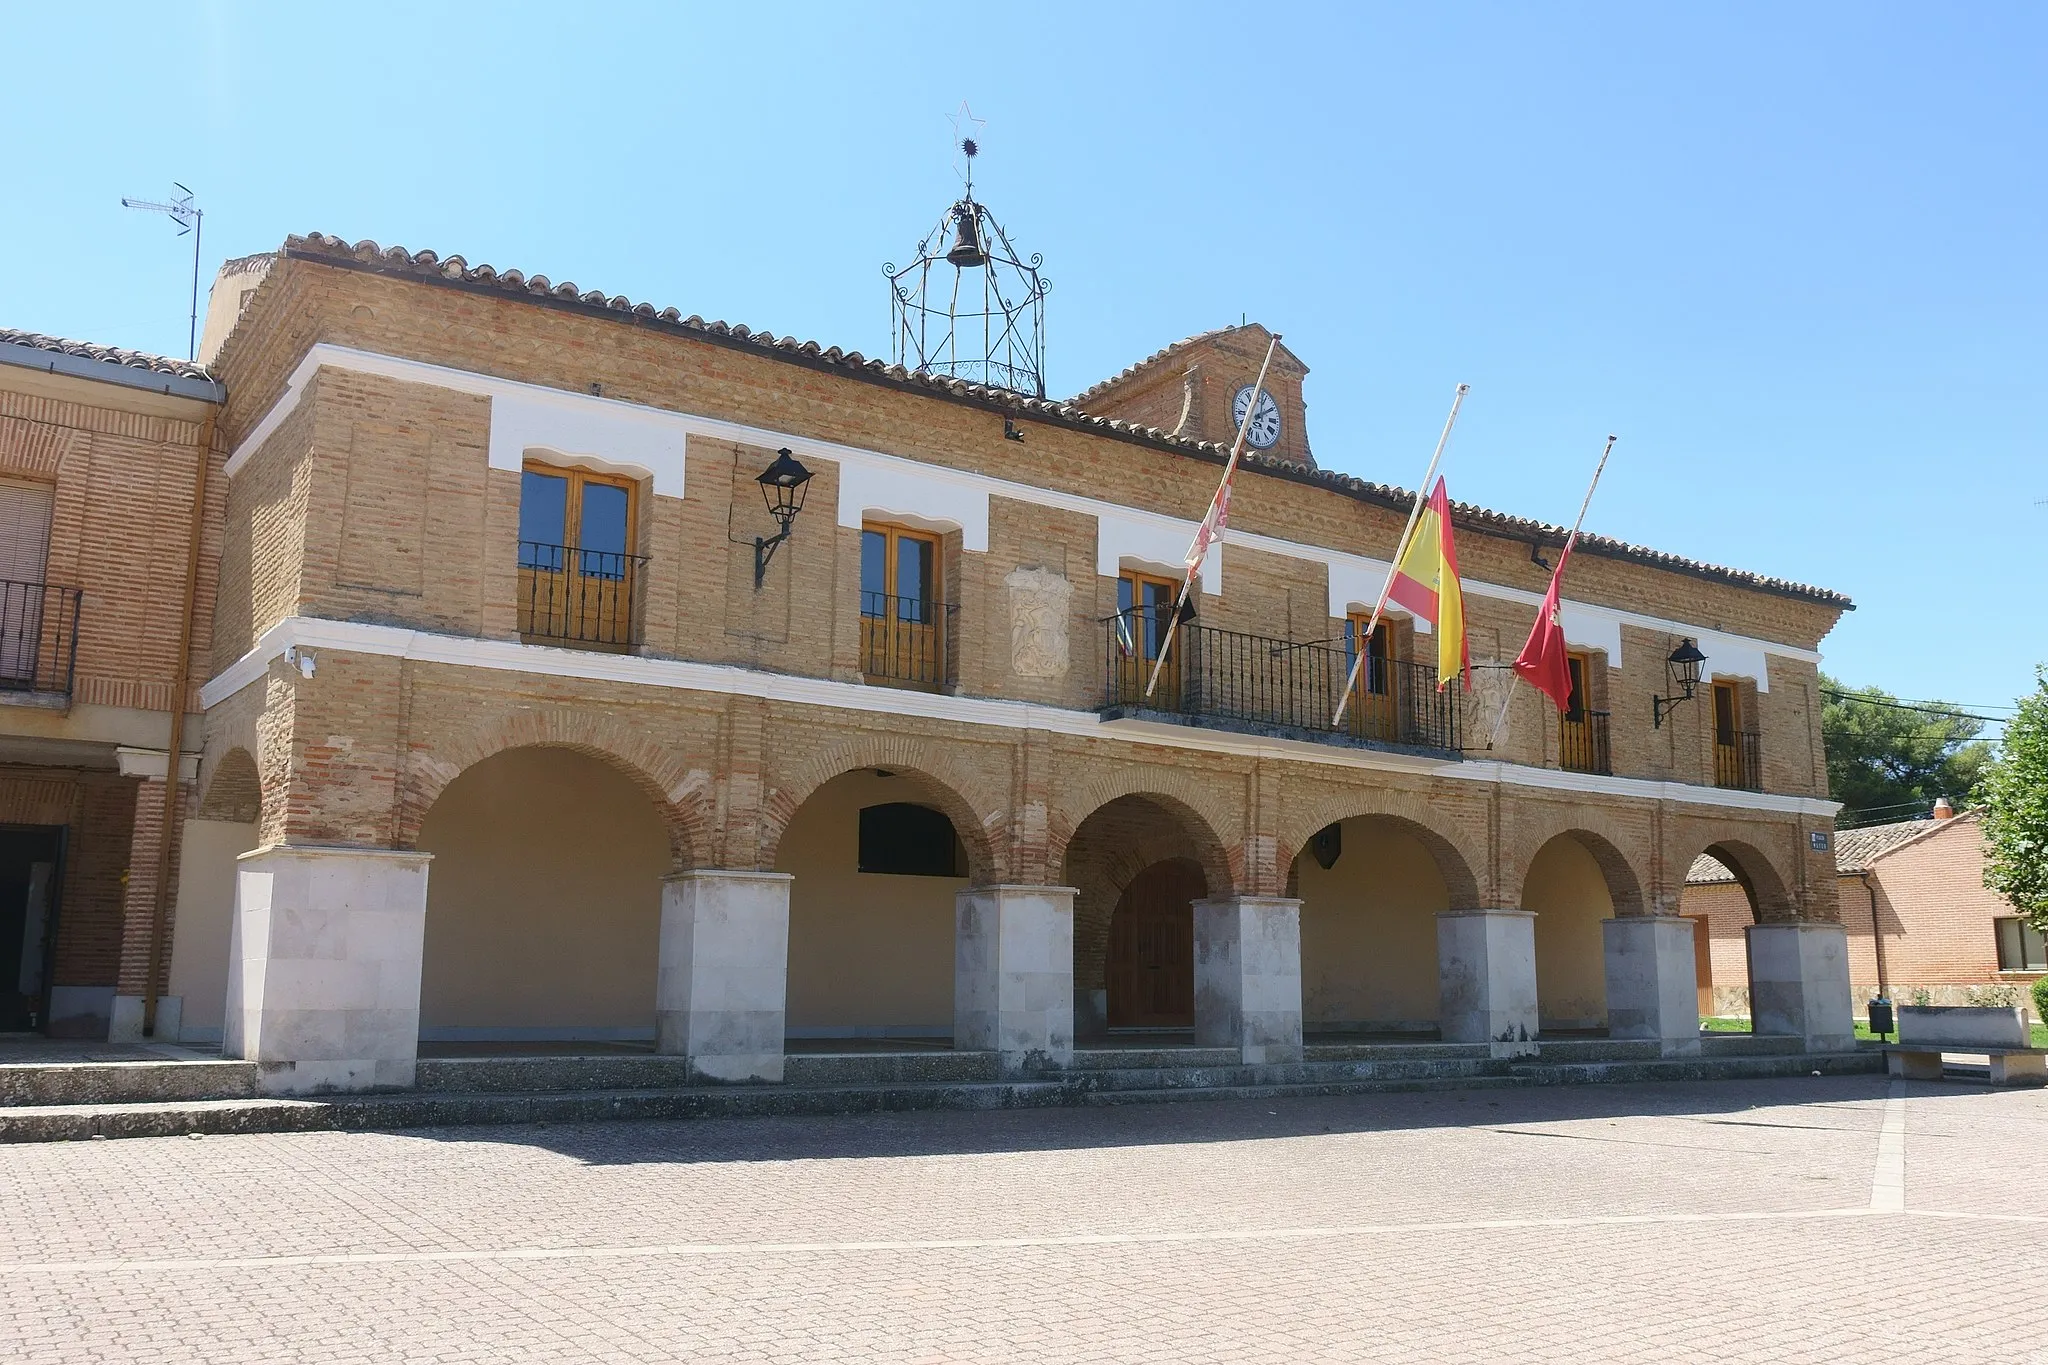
(532, 416)
(510, 656)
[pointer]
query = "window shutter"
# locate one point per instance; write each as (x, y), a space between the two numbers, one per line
(24, 530)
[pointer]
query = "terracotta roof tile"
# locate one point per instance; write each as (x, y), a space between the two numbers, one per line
(1855, 849)
(454, 270)
(111, 355)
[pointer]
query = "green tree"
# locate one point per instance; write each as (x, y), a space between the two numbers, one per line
(2015, 793)
(1889, 762)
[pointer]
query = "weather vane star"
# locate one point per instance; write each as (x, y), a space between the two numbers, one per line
(966, 141)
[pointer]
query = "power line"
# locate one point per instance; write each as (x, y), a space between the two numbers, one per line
(1946, 712)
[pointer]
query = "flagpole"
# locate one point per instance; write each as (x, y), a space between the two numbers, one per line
(1400, 547)
(1198, 549)
(1569, 542)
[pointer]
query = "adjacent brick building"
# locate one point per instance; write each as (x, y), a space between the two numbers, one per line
(521, 723)
(100, 477)
(1922, 926)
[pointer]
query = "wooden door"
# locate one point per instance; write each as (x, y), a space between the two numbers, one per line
(902, 617)
(1375, 708)
(1144, 606)
(1151, 976)
(575, 567)
(1575, 725)
(1703, 964)
(24, 546)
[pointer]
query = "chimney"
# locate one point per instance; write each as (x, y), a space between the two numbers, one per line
(1942, 809)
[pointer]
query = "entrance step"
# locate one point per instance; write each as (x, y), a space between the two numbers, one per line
(1751, 1045)
(581, 1103)
(1703, 1068)
(63, 1083)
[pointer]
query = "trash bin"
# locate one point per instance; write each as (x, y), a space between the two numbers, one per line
(1881, 1017)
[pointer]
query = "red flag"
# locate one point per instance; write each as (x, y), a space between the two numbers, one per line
(1544, 660)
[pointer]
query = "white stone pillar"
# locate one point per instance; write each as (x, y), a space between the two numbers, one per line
(1799, 983)
(1652, 983)
(1248, 976)
(1013, 973)
(1486, 974)
(721, 991)
(324, 973)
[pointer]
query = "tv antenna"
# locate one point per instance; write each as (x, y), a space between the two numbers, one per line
(187, 216)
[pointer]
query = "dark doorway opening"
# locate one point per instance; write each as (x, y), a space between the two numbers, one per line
(1151, 976)
(31, 871)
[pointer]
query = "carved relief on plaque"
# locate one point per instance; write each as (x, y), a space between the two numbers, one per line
(1038, 622)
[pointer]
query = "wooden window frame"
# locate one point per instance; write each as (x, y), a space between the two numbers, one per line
(596, 611)
(896, 652)
(1375, 711)
(572, 500)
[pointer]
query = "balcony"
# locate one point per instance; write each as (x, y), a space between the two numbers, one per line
(904, 641)
(1230, 681)
(1582, 743)
(38, 638)
(586, 598)
(1739, 761)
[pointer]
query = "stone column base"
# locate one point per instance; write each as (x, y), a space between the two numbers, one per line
(721, 991)
(1652, 982)
(324, 971)
(125, 1024)
(1799, 983)
(1248, 976)
(1013, 973)
(1486, 973)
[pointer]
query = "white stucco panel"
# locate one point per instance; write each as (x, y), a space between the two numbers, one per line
(577, 429)
(1590, 628)
(913, 494)
(1158, 543)
(1730, 656)
(1355, 585)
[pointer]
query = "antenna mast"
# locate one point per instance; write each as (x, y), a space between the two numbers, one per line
(187, 215)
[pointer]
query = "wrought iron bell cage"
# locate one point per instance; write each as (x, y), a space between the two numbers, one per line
(969, 306)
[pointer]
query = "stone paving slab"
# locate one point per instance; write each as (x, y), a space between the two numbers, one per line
(1730, 1220)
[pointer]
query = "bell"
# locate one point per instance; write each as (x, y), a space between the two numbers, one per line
(967, 252)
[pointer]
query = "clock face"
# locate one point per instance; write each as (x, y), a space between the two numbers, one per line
(1265, 428)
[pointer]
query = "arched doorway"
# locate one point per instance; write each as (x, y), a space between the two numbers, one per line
(1370, 889)
(876, 863)
(1150, 971)
(1567, 889)
(543, 902)
(1137, 864)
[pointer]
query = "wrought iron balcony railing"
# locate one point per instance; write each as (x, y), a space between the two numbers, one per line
(581, 597)
(38, 637)
(906, 641)
(1739, 761)
(1250, 682)
(1582, 743)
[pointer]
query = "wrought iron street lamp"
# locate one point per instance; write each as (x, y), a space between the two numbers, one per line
(782, 488)
(1682, 670)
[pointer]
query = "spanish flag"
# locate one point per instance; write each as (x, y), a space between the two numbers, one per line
(1426, 583)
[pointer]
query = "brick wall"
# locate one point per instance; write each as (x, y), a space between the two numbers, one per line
(374, 503)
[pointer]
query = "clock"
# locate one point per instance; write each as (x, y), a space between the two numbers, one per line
(1264, 432)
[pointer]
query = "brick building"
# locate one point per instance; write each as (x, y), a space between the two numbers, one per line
(100, 485)
(1914, 904)
(520, 725)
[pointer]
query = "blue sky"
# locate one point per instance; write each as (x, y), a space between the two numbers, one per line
(1793, 255)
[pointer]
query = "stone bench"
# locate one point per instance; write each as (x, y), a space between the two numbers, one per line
(1996, 1032)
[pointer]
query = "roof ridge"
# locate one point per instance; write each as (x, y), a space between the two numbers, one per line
(455, 270)
(1164, 351)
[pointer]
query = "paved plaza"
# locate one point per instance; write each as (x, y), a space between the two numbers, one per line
(1825, 1219)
